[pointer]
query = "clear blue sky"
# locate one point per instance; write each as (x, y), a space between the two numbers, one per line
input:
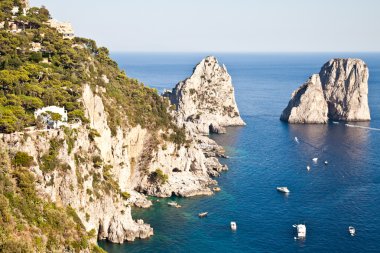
(224, 25)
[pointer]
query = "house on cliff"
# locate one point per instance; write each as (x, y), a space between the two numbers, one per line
(64, 28)
(52, 116)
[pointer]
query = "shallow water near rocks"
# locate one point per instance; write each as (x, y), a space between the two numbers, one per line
(264, 155)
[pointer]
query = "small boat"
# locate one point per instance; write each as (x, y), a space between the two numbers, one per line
(283, 189)
(301, 231)
(326, 162)
(174, 204)
(335, 122)
(296, 139)
(233, 225)
(308, 168)
(315, 159)
(201, 215)
(352, 230)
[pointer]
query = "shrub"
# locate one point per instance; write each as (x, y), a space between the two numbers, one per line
(125, 195)
(23, 159)
(158, 177)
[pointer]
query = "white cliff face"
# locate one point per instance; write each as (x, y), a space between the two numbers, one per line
(307, 104)
(345, 84)
(205, 102)
(339, 91)
(96, 167)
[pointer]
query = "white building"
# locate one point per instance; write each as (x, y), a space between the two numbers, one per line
(44, 114)
(35, 47)
(63, 28)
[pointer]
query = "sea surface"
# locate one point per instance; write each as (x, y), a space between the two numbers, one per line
(264, 155)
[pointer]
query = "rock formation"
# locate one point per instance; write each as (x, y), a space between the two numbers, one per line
(308, 104)
(345, 85)
(97, 166)
(338, 92)
(205, 102)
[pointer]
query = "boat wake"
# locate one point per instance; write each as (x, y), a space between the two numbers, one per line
(363, 127)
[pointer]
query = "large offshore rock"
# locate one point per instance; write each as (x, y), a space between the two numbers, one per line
(345, 85)
(341, 85)
(308, 104)
(205, 101)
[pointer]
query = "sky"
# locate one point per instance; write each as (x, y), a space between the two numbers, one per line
(224, 25)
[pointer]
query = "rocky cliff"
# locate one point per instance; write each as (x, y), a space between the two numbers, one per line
(345, 85)
(205, 101)
(93, 170)
(338, 92)
(308, 104)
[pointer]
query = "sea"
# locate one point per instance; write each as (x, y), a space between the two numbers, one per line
(264, 155)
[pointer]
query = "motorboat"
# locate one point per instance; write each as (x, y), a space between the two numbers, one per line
(233, 225)
(301, 231)
(326, 162)
(283, 189)
(315, 159)
(352, 230)
(201, 215)
(296, 139)
(174, 204)
(308, 168)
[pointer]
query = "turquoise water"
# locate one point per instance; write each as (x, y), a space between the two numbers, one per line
(264, 155)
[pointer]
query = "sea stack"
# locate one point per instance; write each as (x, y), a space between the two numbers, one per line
(338, 92)
(308, 104)
(205, 102)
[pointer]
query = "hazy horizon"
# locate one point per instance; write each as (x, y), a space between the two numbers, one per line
(223, 26)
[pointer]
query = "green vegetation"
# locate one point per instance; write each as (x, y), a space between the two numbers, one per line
(158, 177)
(22, 159)
(50, 160)
(29, 223)
(125, 195)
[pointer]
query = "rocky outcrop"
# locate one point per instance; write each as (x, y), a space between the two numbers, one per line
(205, 102)
(345, 85)
(338, 92)
(93, 168)
(308, 104)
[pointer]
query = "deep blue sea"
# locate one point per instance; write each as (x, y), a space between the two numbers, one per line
(264, 155)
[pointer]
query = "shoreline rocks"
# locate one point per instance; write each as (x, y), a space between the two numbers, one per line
(338, 92)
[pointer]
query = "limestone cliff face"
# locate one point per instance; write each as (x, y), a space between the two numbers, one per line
(345, 84)
(95, 167)
(206, 101)
(308, 104)
(339, 91)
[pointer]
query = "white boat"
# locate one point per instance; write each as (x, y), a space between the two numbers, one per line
(283, 189)
(315, 159)
(308, 168)
(233, 225)
(335, 122)
(352, 230)
(201, 215)
(326, 162)
(301, 231)
(296, 139)
(174, 204)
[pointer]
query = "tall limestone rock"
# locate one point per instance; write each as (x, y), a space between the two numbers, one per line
(205, 101)
(308, 104)
(345, 84)
(340, 90)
